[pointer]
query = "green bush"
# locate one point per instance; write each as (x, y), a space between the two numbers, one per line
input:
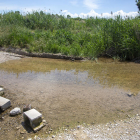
(91, 37)
(16, 36)
(9, 18)
(65, 50)
(75, 49)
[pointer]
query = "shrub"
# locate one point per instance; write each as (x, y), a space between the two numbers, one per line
(91, 37)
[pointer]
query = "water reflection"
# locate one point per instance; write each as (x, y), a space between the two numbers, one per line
(106, 73)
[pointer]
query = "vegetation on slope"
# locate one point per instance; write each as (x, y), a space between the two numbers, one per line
(92, 37)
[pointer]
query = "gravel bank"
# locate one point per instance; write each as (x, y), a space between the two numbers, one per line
(128, 129)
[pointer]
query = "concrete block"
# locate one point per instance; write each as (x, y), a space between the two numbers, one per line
(4, 103)
(33, 118)
(1, 91)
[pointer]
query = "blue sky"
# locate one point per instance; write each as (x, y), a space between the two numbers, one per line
(74, 8)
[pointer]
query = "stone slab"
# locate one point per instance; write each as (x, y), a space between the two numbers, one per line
(32, 118)
(4, 103)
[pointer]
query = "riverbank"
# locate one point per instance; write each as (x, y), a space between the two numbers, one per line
(5, 56)
(22, 52)
(13, 128)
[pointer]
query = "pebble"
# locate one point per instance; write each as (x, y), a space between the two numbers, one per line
(53, 136)
(27, 107)
(15, 111)
(129, 94)
(1, 91)
(22, 132)
(44, 121)
(17, 128)
(78, 127)
(36, 138)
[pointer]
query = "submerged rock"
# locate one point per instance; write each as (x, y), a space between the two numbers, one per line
(15, 111)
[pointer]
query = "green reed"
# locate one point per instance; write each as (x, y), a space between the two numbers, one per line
(92, 37)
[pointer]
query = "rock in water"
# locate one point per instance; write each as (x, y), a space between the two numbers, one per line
(15, 111)
(129, 94)
(26, 107)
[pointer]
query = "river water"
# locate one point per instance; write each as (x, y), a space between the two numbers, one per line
(69, 93)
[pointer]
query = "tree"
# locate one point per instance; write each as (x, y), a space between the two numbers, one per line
(138, 4)
(17, 12)
(68, 16)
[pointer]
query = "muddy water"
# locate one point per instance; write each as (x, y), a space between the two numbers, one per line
(67, 93)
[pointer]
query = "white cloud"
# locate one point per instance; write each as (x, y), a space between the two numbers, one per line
(74, 2)
(91, 4)
(65, 12)
(124, 14)
(92, 13)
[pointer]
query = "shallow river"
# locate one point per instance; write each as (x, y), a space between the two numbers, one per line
(68, 93)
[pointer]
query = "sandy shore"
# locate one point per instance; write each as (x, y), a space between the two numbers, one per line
(5, 56)
(128, 129)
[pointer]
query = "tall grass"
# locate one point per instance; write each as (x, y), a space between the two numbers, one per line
(92, 37)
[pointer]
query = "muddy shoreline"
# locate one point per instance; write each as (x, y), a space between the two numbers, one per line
(12, 127)
(24, 53)
(42, 55)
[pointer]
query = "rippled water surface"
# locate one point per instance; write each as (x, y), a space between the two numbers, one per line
(68, 93)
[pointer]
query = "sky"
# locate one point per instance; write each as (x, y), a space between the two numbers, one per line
(74, 8)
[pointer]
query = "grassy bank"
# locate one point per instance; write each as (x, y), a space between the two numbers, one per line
(92, 37)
